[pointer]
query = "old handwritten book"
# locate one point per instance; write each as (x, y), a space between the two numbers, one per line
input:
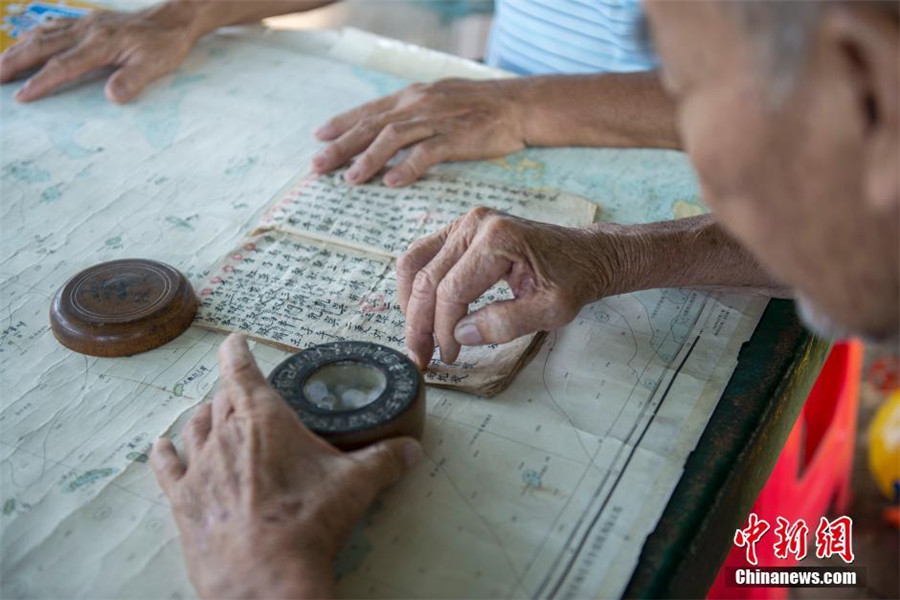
(320, 267)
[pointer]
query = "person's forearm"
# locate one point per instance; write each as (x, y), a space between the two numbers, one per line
(624, 110)
(206, 16)
(692, 253)
(265, 570)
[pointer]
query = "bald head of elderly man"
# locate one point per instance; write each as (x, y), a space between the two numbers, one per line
(789, 112)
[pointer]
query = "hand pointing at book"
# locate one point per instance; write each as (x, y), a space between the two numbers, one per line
(553, 271)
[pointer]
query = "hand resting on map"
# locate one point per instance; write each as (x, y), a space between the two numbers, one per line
(460, 119)
(141, 46)
(553, 272)
(452, 119)
(261, 503)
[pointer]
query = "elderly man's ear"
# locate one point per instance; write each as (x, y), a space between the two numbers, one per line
(866, 38)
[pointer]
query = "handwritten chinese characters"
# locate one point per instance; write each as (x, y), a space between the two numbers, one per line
(386, 220)
(320, 267)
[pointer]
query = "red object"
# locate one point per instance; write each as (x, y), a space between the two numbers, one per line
(812, 475)
(884, 374)
(892, 516)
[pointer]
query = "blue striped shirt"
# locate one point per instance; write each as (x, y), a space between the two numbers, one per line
(533, 37)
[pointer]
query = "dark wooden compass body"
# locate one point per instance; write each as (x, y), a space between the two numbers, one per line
(122, 307)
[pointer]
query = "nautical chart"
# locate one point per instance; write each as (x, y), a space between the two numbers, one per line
(547, 489)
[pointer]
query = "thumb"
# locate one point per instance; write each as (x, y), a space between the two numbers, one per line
(503, 321)
(385, 462)
(128, 81)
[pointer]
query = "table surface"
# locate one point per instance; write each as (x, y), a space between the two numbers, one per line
(43, 248)
(733, 459)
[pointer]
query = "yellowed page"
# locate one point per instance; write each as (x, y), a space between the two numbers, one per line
(320, 267)
(383, 220)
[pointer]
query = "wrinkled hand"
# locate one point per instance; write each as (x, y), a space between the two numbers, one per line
(452, 119)
(552, 271)
(143, 46)
(263, 504)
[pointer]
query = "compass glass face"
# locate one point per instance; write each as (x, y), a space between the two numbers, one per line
(344, 385)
